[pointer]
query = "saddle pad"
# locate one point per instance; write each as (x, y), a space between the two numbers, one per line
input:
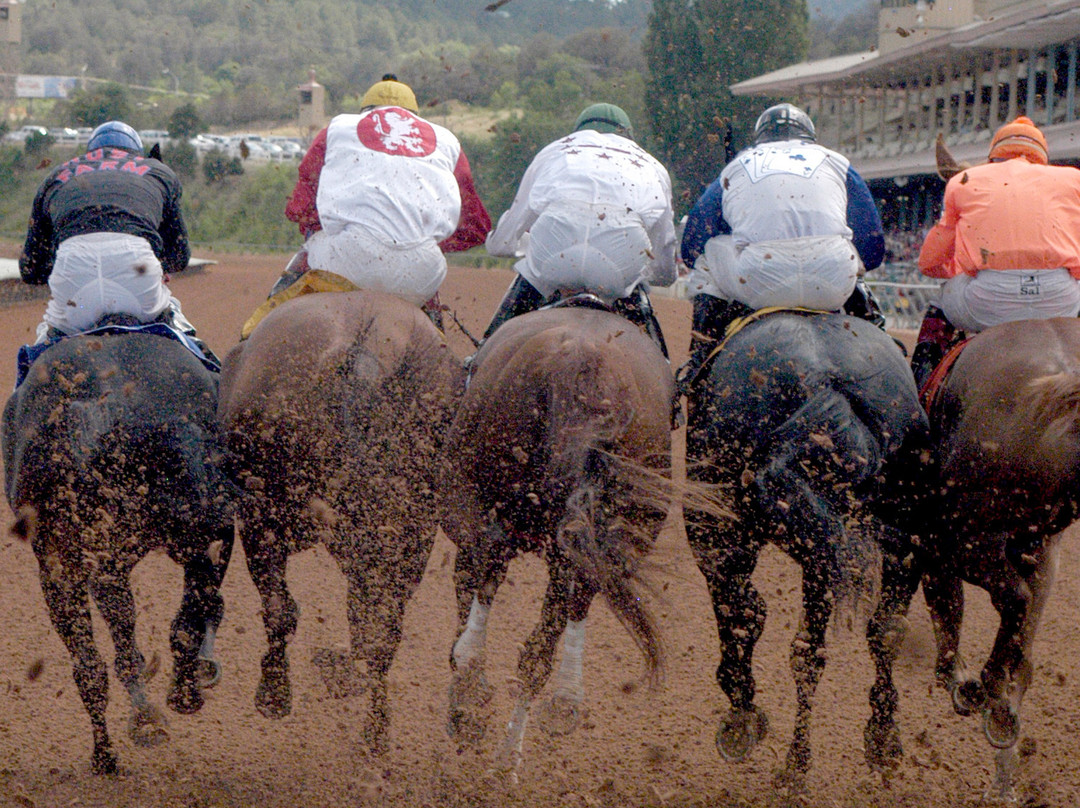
(931, 387)
(314, 280)
(28, 353)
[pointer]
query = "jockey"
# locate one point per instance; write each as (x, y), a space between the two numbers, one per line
(104, 229)
(383, 194)
(1007, 243)
(787, 223)
(593, 214)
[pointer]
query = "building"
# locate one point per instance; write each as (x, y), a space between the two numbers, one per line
(958, 68)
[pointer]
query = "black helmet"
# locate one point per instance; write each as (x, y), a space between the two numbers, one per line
(784, 122)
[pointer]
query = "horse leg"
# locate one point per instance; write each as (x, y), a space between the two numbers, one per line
(885, 634)
(535, 661)
(807, 664)
(1040, 582)
(727, 560)
(376, 608)
(944, 594)
(69, 609)
(193, 628)
(111, 590)
(478, 570)
(562, 714)
(208, 673)
(266, 559)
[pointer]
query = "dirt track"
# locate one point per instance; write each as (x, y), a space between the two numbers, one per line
(639, 747)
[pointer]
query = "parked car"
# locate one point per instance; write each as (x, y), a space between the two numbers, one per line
(152, 136)
(23, 132)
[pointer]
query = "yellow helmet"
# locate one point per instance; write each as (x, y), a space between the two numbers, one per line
(390, 93)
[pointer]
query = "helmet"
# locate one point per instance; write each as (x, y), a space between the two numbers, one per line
(605, 118)
(1019, 138)
(389, 92)
(784, 122)
(115, 133)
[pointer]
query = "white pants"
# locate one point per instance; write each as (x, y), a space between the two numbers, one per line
(602, 249)
(815, 272)
(103, 273)
(411, 271)
(997, 296)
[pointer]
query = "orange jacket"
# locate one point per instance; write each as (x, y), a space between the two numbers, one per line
(1008, 215)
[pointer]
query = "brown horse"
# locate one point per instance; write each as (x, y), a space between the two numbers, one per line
(562, 446)
(336, 408)
(112, 449)
(1006, 427)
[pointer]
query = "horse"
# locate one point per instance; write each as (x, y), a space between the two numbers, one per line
(810, 427)
(336, 408)
(562, 447)
(112, 449)
(1006, 431)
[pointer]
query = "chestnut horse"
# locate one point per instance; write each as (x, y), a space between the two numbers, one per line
(112, 449)
(562, 446)
(336, 409)
(811, 427)
(1006, 429)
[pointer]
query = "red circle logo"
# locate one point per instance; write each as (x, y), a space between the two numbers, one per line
(394, 130)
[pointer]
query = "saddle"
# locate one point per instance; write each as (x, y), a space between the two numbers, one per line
(313, 280)
(112, 324)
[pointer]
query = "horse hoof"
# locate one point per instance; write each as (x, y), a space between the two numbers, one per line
(185, 699)
(470, 710)
(147, 727)
(968, 696)
(207, 672)
(884, 751)
(104, 762)
(560, 715)
(273, 698)
(1001, 725)
(740, 732)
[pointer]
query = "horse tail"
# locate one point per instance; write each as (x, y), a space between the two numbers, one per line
(614, 504)
(821, 456)
(1054, 403)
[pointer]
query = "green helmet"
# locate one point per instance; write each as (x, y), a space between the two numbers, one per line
(605, 118)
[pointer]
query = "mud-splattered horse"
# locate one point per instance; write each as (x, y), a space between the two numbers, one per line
(562, 446)
(1006, 431)
(112, 449)
(336, 409)
(811, 428)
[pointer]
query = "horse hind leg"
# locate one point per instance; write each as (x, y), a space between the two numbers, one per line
(266, 559)
(535, 661)
(885, 633)
(69, 609)
(479, 570)
(563, 713)
(195, 625)
(944, 596)
(111, 590)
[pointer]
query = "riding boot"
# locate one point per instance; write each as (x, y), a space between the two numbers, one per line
(296, 267)
(936, 335)
(520, 298)
(434, 311)
(637, 308)
(864, 305)
(711, 317)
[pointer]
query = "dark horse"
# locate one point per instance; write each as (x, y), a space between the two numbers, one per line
(1006, 429)
(811, 428)
(336, 409)
(562, 446)
(112, 449)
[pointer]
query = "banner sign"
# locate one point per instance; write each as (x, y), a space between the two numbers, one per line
(44, 86)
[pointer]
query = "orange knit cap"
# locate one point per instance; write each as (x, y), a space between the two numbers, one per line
(1020, 138)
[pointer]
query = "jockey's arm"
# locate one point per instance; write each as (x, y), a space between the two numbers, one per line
(474, 222)
(868, 234)
(301, 205)
(38, 252)
(706, 220)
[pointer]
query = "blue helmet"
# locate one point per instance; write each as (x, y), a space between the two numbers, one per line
(115, 133)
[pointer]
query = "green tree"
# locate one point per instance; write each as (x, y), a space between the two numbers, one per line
(99, 104)
(696, 51)
(185, 123)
